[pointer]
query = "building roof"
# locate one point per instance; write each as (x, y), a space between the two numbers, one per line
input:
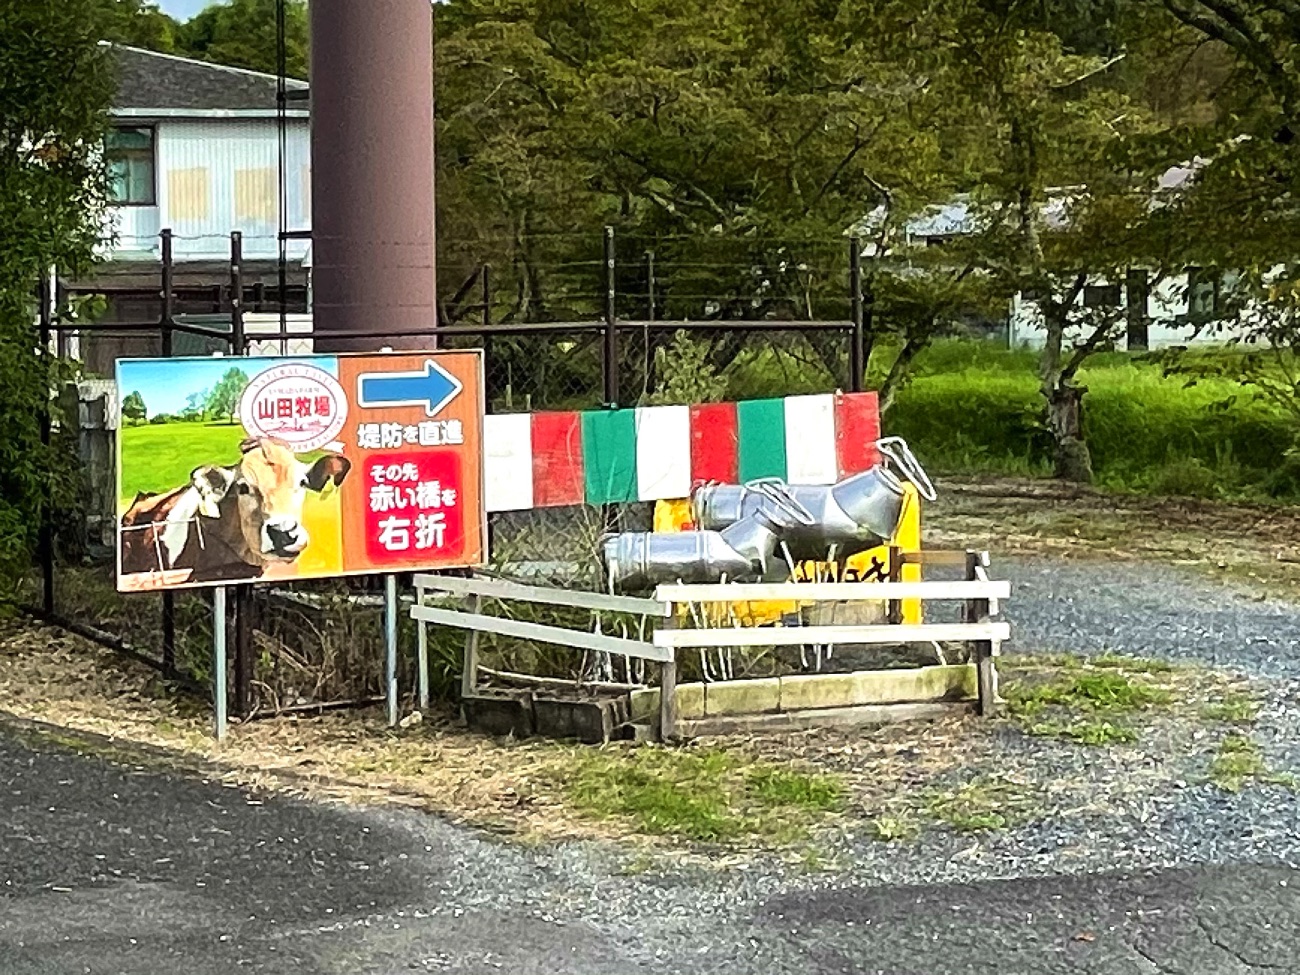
(153, 83)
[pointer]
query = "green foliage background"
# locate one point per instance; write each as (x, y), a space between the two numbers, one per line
(55, 87)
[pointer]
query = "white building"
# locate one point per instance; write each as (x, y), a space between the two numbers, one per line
(1189, 307)
(195, 148)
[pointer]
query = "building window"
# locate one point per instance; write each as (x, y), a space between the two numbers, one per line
(1205, 297)
(130, 155)
(1101, 296)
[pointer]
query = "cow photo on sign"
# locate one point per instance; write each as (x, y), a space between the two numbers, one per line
(239, 470)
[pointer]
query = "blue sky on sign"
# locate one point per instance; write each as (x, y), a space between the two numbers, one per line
(165, 384)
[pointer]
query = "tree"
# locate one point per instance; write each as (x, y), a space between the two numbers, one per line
(55, 90)
(223, 399)
(242, 34)
(138, 23)
(736, 140)
(133, 407)
(1062, 201)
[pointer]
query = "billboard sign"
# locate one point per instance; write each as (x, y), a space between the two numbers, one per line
(254, 469)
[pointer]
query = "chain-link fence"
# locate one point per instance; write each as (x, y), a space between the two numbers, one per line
(566, 323)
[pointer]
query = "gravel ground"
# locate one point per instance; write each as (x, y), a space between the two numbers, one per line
(1149, 611)
(1133, 861)
(110, 869)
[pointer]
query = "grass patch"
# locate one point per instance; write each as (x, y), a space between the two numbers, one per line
(1232, 709)
(1090, 702)
(1087, 691)
(708, 795)
(894, 828)
(803, 790)
(1240, 761)
(984, 803)
(974, 407)
(1086, 732)
(1133, 665)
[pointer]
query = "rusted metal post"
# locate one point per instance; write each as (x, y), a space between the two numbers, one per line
(372, 149)
(610, 355)
(858, 339)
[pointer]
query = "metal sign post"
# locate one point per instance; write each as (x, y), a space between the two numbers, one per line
(390, 646)
(219, 661)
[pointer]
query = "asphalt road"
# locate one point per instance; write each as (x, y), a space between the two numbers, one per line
(114, 869)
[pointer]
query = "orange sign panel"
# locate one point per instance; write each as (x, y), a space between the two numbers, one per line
(253, 469)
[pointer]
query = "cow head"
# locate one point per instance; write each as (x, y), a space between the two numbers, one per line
(268, 487)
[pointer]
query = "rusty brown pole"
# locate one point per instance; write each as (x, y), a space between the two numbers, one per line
(372, 171)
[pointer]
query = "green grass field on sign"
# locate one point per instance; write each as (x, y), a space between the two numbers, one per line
(158, 457)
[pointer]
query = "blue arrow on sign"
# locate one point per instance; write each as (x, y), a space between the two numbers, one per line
(433, 388)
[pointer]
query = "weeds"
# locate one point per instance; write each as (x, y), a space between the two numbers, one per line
(709, 795)
(780, 787)
(1134, 665)
(1089, 702)
(1087, 732)
(1239, 761)
(1232, 709)
(1087, 691)
(984, 803)
(894, 828)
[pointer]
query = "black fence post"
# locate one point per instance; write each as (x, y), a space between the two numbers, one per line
(236, 293)
(650, 284)
(243, 608)
(858, 341)
(610, 354)
(45, 538)
(168, 294)
(489, 353)
(166, 320)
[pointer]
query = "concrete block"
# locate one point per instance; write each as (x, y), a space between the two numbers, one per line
(500, 713)
(742, 696)
(690, 702)
(955, 682)
(809, 691)
(591, 721)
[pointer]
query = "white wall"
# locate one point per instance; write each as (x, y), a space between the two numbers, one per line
(1167, 306)
(218, 175)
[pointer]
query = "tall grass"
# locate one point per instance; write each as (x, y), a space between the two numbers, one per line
(973, 407)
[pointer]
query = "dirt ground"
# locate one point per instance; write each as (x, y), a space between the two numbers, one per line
(888, 782)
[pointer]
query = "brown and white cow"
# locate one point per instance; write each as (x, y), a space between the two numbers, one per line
(229, 522)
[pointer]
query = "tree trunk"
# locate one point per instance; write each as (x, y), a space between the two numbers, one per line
(1071, 456)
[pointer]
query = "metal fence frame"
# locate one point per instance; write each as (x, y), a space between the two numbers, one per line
(53, 334)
